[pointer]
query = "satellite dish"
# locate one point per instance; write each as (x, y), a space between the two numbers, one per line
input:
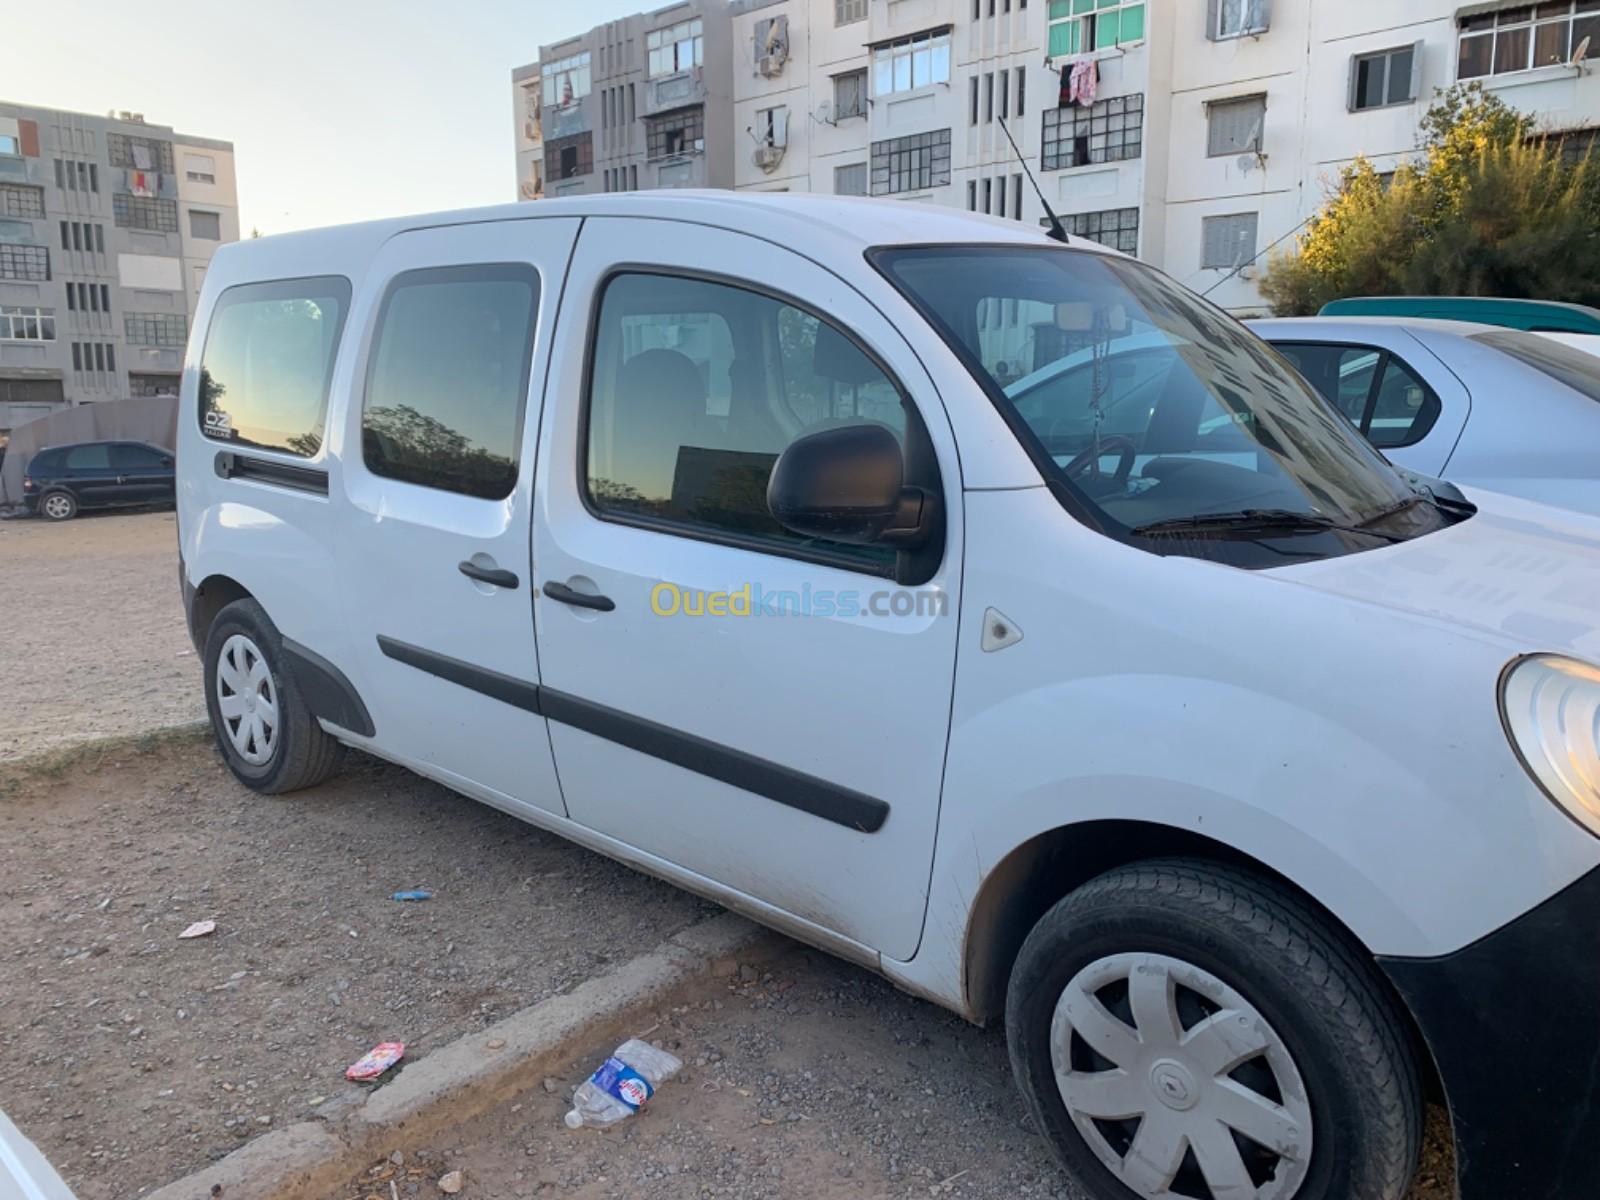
(1246, 163)
(1581, 53)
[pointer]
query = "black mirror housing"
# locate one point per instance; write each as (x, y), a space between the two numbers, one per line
(847, 484)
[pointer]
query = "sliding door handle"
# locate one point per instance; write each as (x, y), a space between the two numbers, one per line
(566, 595)
(492, 575)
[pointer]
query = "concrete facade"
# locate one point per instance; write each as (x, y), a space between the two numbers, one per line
(1167, 163)
(107, 225)
(640, 102)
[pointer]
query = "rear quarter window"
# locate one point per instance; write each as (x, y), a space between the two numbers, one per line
(268, 360)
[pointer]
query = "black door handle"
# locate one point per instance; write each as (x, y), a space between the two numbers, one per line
(561, 592)
(492, 575)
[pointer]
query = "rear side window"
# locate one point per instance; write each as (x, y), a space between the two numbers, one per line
(125, 457)
(448, 378)
(1377, 393)
(94, 457)
(1577, 369)
(696, 387)
(268, 360)
(45, 462)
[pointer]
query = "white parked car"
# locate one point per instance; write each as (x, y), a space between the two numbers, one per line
(1480, 405)
(1251, 782)
(25, 1173)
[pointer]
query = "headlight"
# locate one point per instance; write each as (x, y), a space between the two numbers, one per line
(1551, 709)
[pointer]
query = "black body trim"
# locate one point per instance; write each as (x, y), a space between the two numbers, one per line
(516, 692)
(327, 691)
(795, 789)
(233, 465)
(1513, 1027)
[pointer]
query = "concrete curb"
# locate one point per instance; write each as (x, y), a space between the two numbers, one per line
(461, 1080)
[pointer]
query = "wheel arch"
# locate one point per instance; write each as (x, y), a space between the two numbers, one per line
(211, 596)
(1050, 865)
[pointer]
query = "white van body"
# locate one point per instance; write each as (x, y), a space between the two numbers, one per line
(914, 790)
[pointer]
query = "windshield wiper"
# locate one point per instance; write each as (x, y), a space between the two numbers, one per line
(1258, 521)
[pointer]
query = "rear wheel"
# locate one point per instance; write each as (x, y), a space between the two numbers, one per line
(269, 737)
(58, 506)
(1185, 1030)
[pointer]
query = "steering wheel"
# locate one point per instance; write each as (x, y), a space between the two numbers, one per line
(1115, 443)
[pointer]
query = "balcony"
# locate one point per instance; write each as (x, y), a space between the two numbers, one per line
(674, 91)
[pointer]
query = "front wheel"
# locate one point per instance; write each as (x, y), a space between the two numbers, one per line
(1180, 1029)
(268, 736)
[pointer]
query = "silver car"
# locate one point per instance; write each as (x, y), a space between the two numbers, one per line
(1479, 405)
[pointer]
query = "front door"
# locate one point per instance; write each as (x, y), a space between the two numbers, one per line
(437, 453)
(763, 711)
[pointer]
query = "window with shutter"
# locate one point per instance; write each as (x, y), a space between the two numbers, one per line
(1235, 126)
(1228, 241)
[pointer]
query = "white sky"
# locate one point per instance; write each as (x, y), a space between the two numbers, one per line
(339, 110)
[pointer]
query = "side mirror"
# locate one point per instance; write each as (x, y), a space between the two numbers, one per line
(168, 462)
(847, 484)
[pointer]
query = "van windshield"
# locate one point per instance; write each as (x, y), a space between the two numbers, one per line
(1160, 415)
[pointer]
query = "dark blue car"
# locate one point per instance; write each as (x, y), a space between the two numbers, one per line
(62, 480)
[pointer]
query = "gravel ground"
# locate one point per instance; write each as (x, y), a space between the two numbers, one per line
(132, 1057)
(806, 1077)
(92, 637)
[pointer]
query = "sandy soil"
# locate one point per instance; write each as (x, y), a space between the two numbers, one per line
(132, 1057)
(811, 1079)
(92, 637)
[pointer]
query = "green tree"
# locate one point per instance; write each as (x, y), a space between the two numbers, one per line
(1487, 209)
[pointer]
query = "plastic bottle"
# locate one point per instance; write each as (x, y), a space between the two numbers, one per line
(622, 1084)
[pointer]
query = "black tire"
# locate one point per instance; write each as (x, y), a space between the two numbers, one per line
(303, 755)
(1310, 983)
(64, 503)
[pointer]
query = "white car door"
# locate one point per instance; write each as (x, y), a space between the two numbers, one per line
(455, 327)
(797, 758)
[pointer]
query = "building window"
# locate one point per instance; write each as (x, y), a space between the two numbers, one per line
(850, 180)
(205, 226)
(139, 153)
(1078, 26)
(569, 157)
(153, 385)
(1022, 91)
(566, 80)
(145, 212)
(1228, 241)
(910, 63)
(909, 164)
(988, 195)
(681, 132)
(155, 329)
(772, 127)
(1385, 78)
(1114, 227)
(1235, 126)
(848, 12)
(18, 200)
(972, 99)
(27, 324)
(1237, 18)
(850, 95)
(1005, 94)
(1524, 37)
(988, 97)
(1107, 131)
(676, 48)
(200, 168)
(1016, 197)
(9, 146)
(21, 261)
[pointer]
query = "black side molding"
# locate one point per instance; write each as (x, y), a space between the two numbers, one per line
(794, 789)
(232, 465)
(328, 693)
(513, 691)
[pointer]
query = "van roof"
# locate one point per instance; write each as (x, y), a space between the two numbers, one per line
(852, 224)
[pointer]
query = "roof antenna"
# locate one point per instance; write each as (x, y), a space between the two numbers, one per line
(1057, 230)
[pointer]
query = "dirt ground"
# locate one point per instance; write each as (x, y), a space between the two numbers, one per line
(805, 1078)
(92, 637)
(131, 1057)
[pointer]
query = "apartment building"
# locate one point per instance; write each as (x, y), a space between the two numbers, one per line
(640, 102)
(107, 225)
(1210, 131)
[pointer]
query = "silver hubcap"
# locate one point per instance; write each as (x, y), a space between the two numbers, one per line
(247, 700)
(1178, 1083)
(57, 506)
